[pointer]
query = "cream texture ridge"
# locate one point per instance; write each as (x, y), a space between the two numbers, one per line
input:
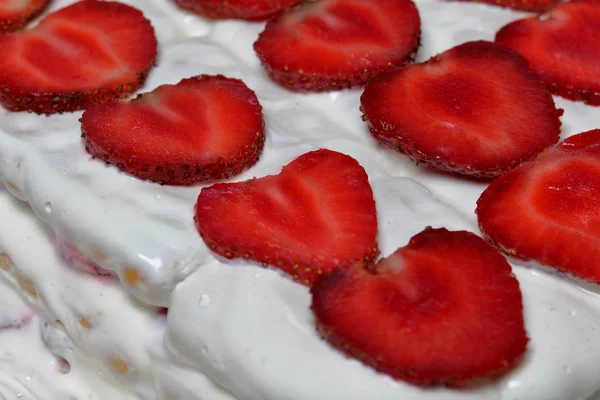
(235, 330)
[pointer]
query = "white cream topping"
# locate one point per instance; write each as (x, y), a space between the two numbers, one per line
(28, 371)
(113, 343)
(233, 321)
(248, 329)
(150, 228)
(251, 330)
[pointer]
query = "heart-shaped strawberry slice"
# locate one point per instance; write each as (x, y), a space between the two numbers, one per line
(316, 215)
(251, 10)
(332, 45)
(563, 46)
(180, 134)
(445, 309)
(475, 110)
(14, 14)
(548, 209)
(89, 52)
(525, 5)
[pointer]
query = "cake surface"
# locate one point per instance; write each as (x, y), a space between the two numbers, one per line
(235, 330)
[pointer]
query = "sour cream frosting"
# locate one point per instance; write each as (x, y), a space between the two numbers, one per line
(235, 330)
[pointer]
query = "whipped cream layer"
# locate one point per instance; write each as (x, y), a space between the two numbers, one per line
(252, 331)
(113, 343)
(28, 371)
(123, 223)
(233, 324)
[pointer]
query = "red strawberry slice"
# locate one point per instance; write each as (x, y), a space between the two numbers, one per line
(445, 309)
(523, 5)
(202, 129)
(331, 44)
(475, 110)
(563, 47)
(14, 14)
(89, 52)
(548, 209)
(316, 215)
(251, 10)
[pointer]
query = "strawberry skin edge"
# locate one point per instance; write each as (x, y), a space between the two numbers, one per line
(15, 24)
(52, 103)
(297, 81)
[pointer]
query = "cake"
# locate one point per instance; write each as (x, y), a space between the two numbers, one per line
(137, 299)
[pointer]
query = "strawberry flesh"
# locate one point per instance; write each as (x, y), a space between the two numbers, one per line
(522, 5)
(474, 110)
(179, 134)
(316, 215)
(251, 10)
(444, 310)
(563, 47)
(14, 14)
(548, 209)
(332, 45)
(86, 53)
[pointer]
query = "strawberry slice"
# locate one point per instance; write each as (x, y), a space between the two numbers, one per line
(445, 309)
(548, 209)
(474, 110)
(523, 5)
(14, 14)
(251, 10)
(563, 47)
(75, 57)
(316, 215)
(179, 134)
(332, 45)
